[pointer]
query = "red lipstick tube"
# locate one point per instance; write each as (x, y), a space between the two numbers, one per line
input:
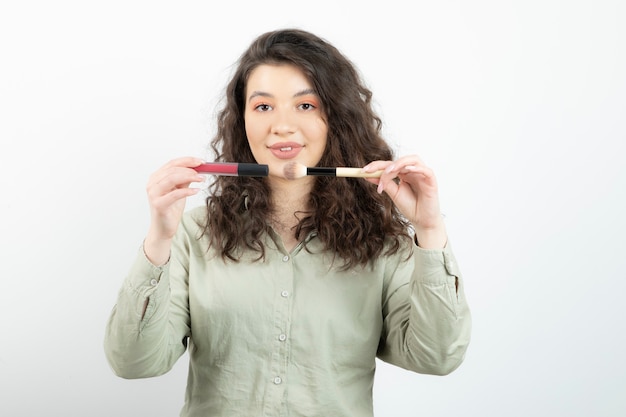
(233, 169)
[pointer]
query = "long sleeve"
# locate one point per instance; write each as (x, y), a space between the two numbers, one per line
(426, 319)
(142, 344)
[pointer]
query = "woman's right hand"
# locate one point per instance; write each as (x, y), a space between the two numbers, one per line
(167, 190)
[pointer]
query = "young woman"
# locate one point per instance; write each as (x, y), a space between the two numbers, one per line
(286, 288)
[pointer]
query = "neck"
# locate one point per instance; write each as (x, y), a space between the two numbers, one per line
(288, 198)
(291, 194)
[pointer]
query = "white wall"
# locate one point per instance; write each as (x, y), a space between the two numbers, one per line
(519, 106)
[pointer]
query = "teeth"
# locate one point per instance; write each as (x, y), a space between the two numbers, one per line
(285, 149)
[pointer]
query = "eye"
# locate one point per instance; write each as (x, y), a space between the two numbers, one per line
(306, 106)
(262, 107)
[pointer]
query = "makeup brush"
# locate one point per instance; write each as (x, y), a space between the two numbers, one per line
(233, 169)
(295, 170)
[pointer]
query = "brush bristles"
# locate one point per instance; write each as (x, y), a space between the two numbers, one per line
(294, 171)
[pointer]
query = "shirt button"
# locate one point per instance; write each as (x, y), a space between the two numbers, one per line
(284, 293)
(278, 380)
(154, 282)
(285, 258)
(282, 337)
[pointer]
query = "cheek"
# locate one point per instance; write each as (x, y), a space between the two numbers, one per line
(251, 134)
(254, 129)
(320, 131)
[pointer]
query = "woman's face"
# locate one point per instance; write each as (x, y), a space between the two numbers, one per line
(283, 119)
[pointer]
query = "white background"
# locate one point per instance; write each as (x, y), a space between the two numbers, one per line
(519, 106)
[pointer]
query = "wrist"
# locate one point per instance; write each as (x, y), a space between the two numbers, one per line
(157, 250)
(434, 237)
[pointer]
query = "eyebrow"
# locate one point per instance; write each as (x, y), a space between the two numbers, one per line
(298, 94)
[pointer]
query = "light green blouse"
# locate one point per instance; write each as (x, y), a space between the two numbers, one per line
(288, 336)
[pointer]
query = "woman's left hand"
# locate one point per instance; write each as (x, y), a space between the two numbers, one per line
(412, 187)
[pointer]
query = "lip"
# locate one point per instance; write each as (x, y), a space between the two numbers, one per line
(285, 150)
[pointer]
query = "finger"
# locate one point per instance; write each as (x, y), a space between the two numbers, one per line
(404, 168)
(376, 166)
(409, 160)
(393, 175)
(175, 177)
(420, 176)
(388, 176)
(170, 184)
(185, 161)
(421, 171)
(400, 162)
(411, 164)
(406, 165)
(391, 188)
(167, 200)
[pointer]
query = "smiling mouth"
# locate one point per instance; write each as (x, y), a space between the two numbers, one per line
(286, 150)
(285, 147)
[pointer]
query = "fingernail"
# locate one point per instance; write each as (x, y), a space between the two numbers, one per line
(379, 190)
(390, 168)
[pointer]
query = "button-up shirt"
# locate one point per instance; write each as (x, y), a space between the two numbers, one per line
(290, 335)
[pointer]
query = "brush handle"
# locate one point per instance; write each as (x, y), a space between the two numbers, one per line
(357, 173)
(342, 172)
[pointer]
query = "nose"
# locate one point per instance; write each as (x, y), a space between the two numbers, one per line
(283, 124)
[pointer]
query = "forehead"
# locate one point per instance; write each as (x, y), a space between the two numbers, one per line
(277, 78)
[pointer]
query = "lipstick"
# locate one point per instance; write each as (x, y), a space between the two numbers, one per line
(233, 169)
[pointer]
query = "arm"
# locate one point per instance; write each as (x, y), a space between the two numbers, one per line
(427, 322)
(149, 325)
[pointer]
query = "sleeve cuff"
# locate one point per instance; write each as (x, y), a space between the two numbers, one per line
(146, 278)
(431, 262)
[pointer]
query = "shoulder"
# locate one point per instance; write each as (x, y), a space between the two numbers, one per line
(196, 214)
(398, 249)
(397, 253)
(194, 221)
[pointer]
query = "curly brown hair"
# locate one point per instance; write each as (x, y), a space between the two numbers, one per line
(351, 219)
